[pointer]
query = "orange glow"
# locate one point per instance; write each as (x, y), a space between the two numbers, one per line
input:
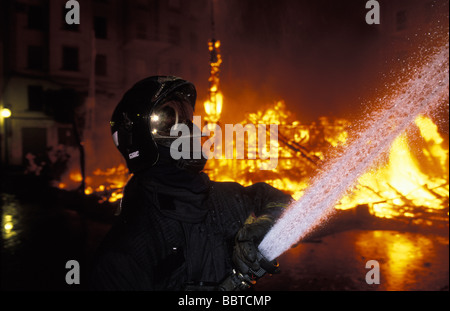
(401, 188)
(75, 176)
(213, 105)
(106, 184)
(298, 147)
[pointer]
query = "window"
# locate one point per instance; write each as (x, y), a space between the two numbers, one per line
(174, 35)
(100, 65)
(35, 98)
(100, 27)
(70, 58)
(36, 58)
(37, 17)
(401, 20)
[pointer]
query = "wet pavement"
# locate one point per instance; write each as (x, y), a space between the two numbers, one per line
(408, 261)
(39, 238)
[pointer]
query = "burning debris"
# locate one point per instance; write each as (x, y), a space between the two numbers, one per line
(403, 188)
(106, 184)
(300, 150)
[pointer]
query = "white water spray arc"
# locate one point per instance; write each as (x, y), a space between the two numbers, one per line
(424, 92)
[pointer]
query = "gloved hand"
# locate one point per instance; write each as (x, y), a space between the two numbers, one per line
(247, 241)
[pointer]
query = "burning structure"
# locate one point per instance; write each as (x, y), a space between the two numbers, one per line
(411, 185)
(213, 106)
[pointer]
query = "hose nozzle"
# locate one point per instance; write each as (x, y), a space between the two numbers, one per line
(238, 281)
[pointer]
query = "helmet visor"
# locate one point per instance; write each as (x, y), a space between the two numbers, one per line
(167, 116)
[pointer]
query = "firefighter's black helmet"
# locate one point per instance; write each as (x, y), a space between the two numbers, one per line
(136, 128)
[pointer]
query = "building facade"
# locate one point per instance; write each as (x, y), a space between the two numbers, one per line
(116, 43)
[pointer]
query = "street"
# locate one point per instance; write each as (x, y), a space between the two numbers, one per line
(38, 240)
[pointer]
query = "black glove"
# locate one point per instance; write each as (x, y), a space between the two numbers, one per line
(245, 254)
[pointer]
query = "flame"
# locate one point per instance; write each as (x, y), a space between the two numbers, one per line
(106, 184)
(299, 146)
(213, 106)
(400, 188)
(412, 184)
(75, 176)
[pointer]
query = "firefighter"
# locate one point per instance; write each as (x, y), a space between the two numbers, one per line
(177, 229)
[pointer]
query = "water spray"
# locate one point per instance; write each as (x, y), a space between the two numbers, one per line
(424, 92)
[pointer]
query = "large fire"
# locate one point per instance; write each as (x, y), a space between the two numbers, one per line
(300, 149)
(411, 184)
(401, 188)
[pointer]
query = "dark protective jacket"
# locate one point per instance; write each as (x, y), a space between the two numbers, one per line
(154, 246)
